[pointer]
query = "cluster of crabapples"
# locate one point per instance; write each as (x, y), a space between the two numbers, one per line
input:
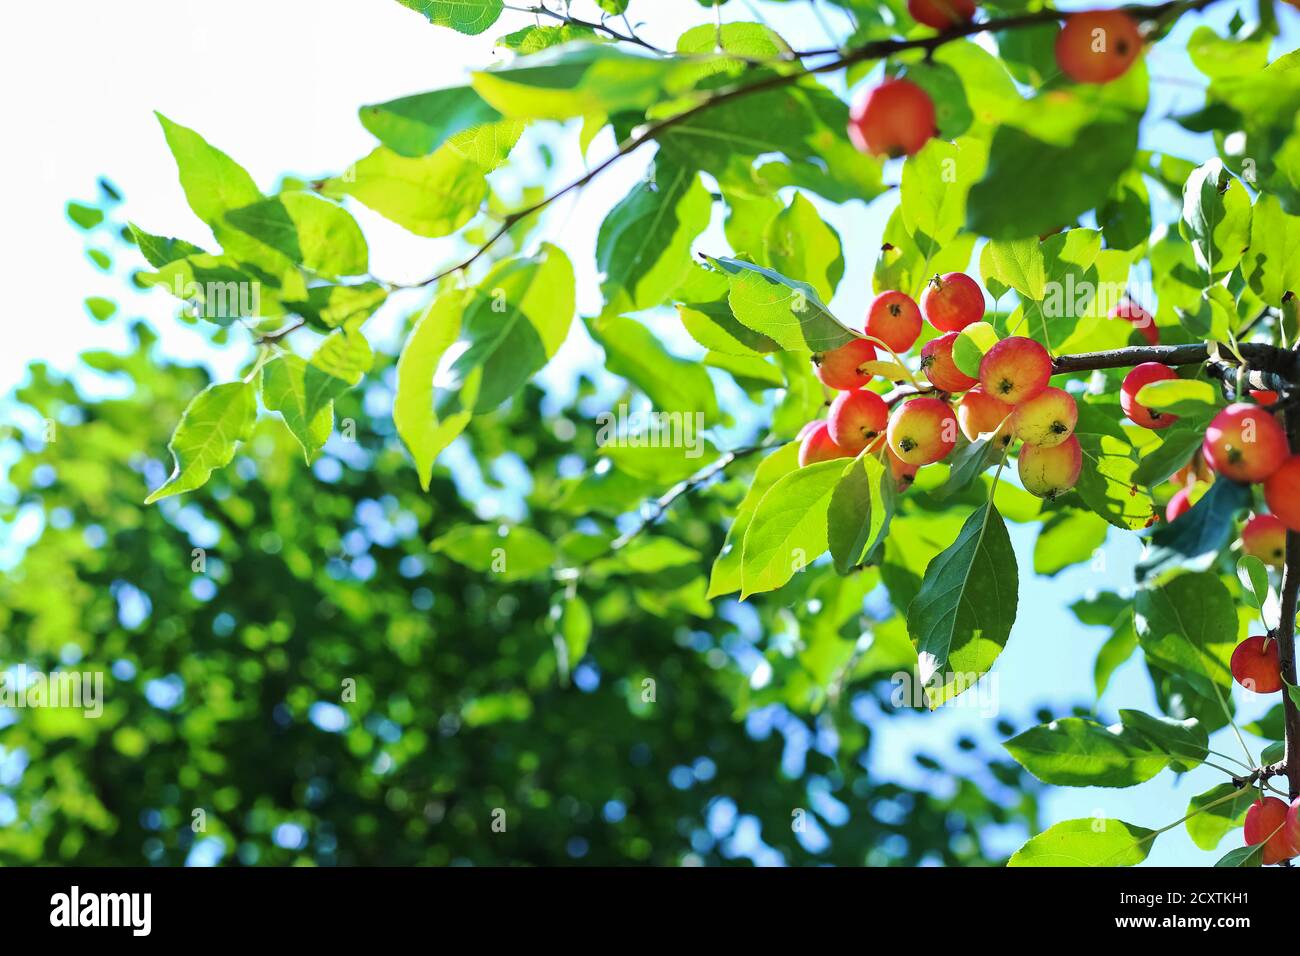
(897, 117)
(1244, 443)
(1011, 399)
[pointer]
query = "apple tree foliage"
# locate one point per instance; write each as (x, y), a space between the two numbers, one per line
(1042, 187)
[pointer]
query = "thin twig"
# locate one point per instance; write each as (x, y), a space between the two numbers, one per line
(877, 49)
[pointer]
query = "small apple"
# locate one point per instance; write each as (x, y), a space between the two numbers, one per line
(979, 413)
(952, 302)
(857, 419)
(1145, 374)
(1049, 472)
(904, 474)
(841, 368)
(1097, 46)
(1015, 369)
(1141, 319)
(941, 14)
(894, 319)
(1047, 419)
(1282, 492)
(1255, 665)
(923, 430)
(1245, 443)
(1264, 537)
(895, 118)
(818, 445)
(938, 366)
(1267, 823)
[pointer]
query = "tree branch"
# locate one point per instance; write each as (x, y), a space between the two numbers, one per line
(877, 49)
(602, 27)
(1285, 633)
(1267, 359)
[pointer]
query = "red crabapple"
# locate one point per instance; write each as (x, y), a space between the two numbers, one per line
(1142, 320)
(1264, 396)
(941, 14)
(1245, 443)
(1255, 665)
(904, 474)
(1015, 369)
(1267, 823)
(1145, 374)
(893, 119)
(1097, 46)
(939, 368)
(1047, 419)
(1293, 816)
(894, 319)
(1264, 537)
(979, 413)
(857, 419)
(1179, 504)
(952, 302)
(1049, 472)
(923, 430)
(841, 368)
(817, 446)
(1282, 492)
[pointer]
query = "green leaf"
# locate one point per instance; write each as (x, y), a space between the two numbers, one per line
(787, 311)
(1186, 742)
(725, 575)
(284, 390)
(971, 344)
(1000, 207)
(517, 320)
(788, 530)
(1174, 449)
(962, 616)
(417, 125)
(801, 245)
(673, 385)
(86, 217)
(514, 553)
(490, 709)
(1068, 538)
(1119, 647)
(581, 80)
(1244, 856)
(214, 183)
(216, 420)
(1207, 827)
(1189, 625)
(1181, 396)
(859, 512)
(1272, 263)
(430, 196)
(308, 230)
(422, 431)
(159, 251)
(464, 16)
(644, 245)
(1216, 218)
(934, 186)
(1074, 752)
(1253, 576)
(304, 392)
(100, 308)
(1087, 842)
(1196, 538)
(1106, 482)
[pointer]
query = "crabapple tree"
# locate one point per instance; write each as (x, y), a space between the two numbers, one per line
(1056, 323)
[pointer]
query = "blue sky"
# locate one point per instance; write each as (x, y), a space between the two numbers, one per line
(277, 86)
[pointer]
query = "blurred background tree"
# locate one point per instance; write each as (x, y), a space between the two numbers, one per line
(293, 675)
